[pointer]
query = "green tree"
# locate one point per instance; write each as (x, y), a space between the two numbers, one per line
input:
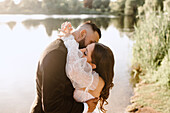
(52, 6)
(31, 6)
(105, 3)
(74, 5)
(88, 3)
(61, 6)
(96, 4)
(10, 6)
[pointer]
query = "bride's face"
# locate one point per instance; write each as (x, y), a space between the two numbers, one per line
(87, 52)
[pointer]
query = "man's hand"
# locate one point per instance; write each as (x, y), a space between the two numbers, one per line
(92, 104)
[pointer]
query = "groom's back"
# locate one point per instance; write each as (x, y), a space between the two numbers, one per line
(53, 86)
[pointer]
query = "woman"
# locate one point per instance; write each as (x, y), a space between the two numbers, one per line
(103, 58)
(90, 69)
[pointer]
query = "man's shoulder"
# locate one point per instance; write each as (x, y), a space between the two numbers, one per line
(57, 46)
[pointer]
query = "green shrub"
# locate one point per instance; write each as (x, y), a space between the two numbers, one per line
(163, 73)
(152, 41)
(151, 62)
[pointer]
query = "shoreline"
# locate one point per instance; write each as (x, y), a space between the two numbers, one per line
(150, 65)
(136, 106)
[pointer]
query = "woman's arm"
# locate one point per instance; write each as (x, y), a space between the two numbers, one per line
(80, 72)
(97, 91)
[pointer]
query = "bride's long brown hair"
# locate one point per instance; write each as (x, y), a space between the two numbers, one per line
(103, 57)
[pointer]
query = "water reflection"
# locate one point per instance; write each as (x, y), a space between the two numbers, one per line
(11, 25)
(123, 24)
(21, 43)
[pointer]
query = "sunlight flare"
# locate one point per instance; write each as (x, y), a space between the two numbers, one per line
(2, 0)
(17, 1)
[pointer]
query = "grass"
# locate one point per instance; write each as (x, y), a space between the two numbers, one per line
(151, 54)
(154, 96)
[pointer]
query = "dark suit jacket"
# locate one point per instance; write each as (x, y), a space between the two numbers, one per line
(54, 89)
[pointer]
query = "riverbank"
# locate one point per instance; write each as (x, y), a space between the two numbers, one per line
(151, 62)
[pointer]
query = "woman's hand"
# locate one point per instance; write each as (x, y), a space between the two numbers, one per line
(66, 29)
(92, 104)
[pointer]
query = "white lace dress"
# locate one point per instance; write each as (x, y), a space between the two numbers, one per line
(79, 71)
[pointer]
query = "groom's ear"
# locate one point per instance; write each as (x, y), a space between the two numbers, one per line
(93, 65)
(83, 34)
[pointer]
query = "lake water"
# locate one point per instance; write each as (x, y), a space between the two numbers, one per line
(24, 37)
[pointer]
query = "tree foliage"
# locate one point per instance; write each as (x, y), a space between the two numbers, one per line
(52, 6)
(101, 4)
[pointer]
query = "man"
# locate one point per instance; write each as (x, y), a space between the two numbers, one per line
(54, 89)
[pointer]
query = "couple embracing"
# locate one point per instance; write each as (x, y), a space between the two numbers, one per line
(74, 73)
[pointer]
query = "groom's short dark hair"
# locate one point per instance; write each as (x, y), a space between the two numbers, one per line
(94, 27)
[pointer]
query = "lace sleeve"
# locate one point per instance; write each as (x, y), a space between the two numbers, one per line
(81, 74)
(77, 69)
